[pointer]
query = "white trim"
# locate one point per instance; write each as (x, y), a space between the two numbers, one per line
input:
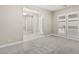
(10, 44)
(55, 35)
(63, 37)
(25, 10)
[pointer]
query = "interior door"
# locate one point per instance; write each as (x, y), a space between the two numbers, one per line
(73, 26)
(61, 28)
(29, 27)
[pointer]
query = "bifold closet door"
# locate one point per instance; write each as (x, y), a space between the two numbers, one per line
(68, 26)
(61, 26)
(29, 25)
(73, 26)
(35, 24)
(40, 29)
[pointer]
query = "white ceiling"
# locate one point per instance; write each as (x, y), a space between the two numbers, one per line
(51, 7)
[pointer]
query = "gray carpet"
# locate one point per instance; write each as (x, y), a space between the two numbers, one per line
(52, 45)
(45, 45)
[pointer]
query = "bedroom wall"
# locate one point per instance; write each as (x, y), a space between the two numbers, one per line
(11, 23)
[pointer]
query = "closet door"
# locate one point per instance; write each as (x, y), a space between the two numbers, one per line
(73, 26)
(61, 25)
(29, 25)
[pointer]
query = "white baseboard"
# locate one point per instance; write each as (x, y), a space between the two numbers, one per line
(55, 35)
(63, 37)
(10, 44)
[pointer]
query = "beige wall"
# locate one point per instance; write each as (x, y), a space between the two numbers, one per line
(60, 12)
(11, 23)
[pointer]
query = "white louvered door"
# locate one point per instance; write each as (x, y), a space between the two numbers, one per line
(68, 25)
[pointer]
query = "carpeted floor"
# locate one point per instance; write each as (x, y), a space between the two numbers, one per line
(52, 45)
(45, 45)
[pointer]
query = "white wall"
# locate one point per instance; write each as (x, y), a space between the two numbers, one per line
(11, 23)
